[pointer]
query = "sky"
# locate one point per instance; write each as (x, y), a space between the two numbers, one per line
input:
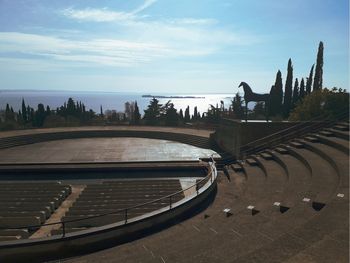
(182, 46)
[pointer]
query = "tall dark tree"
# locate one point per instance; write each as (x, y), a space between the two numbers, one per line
(276, 96)
(153, 112)
(187, 117)
(181, 115)
(171, 116)
(309, 80)
(70, 108)
(9, 113)
(24, 112)
(237, 106)
(319, 68)
(195, 113)
(40, 115)
(137, 115)
(295, 93)
(288, 90)
(48, 110)
(302, 89)
(101, 111)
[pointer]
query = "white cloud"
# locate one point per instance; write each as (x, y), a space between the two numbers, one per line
(145, 5)
(105, 52)
(193, 21)
(103, 14)
(96, 15)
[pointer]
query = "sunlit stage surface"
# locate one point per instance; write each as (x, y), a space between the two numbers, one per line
(103, 150)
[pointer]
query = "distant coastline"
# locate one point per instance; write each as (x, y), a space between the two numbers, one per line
(171, 97)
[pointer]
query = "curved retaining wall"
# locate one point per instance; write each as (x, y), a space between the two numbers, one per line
(100, 237)
(19, 140)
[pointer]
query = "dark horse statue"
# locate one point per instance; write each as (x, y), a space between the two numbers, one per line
(249, 95)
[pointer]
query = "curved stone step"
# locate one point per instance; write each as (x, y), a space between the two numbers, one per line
(299, 179)
(340, 144)
(339, 159)
(324, 177)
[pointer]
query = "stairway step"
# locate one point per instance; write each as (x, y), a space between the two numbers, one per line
(311, 139)
(281, 150)
(326, 133)
(266, 156)
(341, 127)
(297, 144)
(236, 167)
(251, 161)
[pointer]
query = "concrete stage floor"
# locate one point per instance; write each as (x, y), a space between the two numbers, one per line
(103, 150)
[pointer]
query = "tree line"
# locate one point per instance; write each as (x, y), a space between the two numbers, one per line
(282, 103)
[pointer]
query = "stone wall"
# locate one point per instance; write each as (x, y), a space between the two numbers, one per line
(232, 134)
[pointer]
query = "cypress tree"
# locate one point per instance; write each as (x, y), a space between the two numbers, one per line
(40, 115)
(302, 89)
(181, 115)
(137, 115)
(24, 112)
(288, 90)
(187, 114)
(295, 93)
(276, 96)
(319, 68)
(101, 111)
(195, 113)
(7, 112)
(309, 80)
(48, 110)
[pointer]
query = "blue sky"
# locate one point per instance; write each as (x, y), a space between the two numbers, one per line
(204, 46)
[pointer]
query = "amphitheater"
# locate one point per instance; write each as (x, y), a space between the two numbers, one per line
(158, 194)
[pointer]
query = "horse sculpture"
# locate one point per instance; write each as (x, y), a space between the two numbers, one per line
(249, 96)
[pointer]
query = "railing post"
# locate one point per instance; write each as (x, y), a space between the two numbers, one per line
(170, 203)
(126, 215)
(63, 229)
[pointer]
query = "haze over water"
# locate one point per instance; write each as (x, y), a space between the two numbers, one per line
(108, 100)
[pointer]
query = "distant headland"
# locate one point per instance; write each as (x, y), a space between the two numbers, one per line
(171, 97)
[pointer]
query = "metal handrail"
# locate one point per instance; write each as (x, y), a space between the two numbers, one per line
(125, 210)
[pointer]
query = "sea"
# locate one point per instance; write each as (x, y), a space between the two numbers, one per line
(110, 100)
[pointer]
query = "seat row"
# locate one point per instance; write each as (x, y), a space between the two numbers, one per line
(28, 204)
(112, 198)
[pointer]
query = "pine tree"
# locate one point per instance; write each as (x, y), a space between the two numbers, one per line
(295, 93)
(288, 90)
(153, 112)
(171, 116)
(302, 89)
(237, 106)
(319, 68)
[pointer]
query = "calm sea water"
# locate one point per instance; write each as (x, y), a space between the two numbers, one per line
(108, 100)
